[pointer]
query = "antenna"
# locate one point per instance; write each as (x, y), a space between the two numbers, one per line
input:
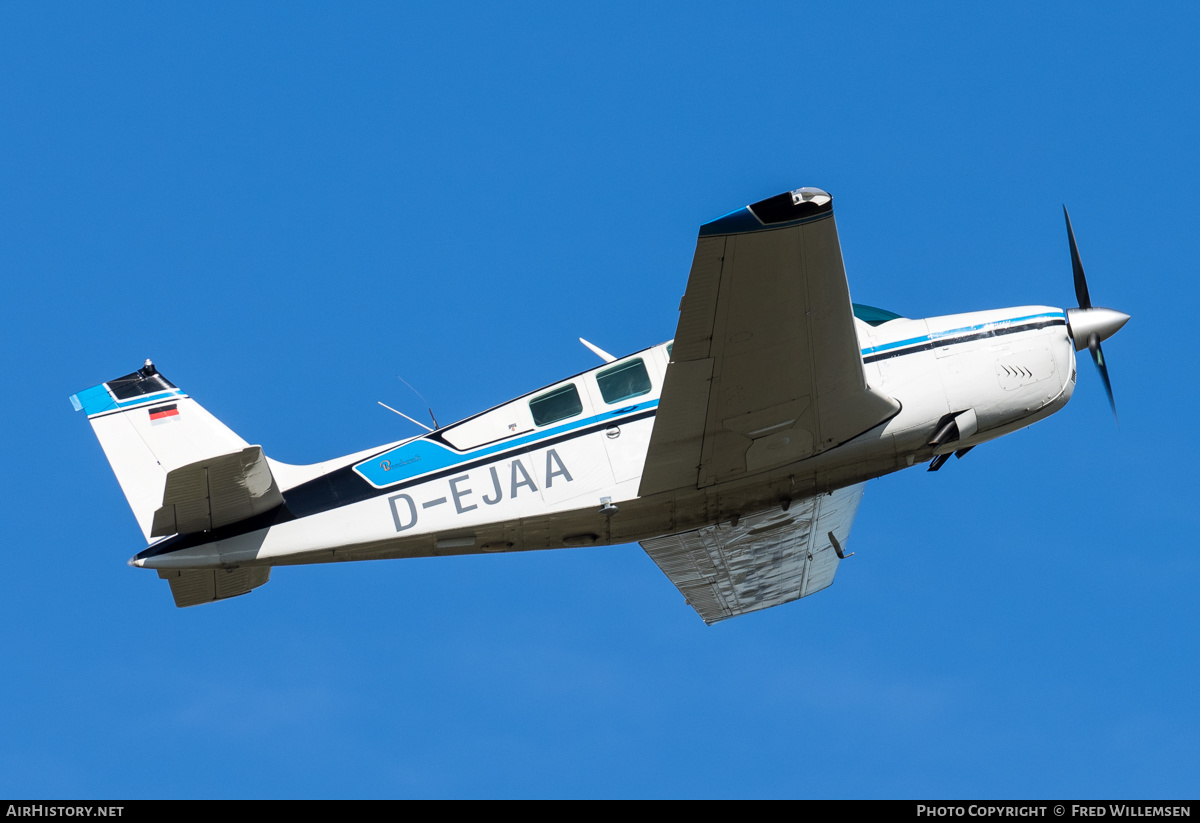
(599, 352)
(428, 408)
(405, 416)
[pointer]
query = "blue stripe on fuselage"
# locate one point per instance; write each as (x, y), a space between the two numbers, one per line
(912, 341)
(423, 456)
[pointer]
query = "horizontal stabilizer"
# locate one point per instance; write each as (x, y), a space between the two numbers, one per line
(215, 492)
(191, 587)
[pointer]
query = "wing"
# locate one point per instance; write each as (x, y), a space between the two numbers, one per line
(765, 368)
(761, 561)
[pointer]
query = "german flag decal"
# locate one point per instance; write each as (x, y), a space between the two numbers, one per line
(161, 412)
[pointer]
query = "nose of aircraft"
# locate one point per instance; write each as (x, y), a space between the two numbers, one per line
(1098, 322)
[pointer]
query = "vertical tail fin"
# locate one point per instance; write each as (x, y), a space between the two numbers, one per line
(147, 428)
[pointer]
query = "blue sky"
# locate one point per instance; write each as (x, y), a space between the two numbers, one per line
(288, 205)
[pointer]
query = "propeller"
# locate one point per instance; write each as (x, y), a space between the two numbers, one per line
(1088, 325)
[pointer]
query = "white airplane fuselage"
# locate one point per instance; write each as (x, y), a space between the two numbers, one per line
(500, 481)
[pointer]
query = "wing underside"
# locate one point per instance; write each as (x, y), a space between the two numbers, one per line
(760, 561)
(765, 367)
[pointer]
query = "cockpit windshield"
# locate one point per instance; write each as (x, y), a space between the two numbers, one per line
(873, 316)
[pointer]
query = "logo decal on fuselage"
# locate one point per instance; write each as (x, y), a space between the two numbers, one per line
(463, 489)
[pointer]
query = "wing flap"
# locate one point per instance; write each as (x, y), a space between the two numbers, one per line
(215, 492)
(678, 435)
(766, 559)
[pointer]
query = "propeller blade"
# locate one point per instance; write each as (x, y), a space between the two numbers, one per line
(1081, 289)
(1098, 359)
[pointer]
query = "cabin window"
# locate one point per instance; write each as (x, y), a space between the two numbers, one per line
(624, 381)
(557, 405)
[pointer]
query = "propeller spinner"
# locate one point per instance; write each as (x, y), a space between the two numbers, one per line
(1089, 325)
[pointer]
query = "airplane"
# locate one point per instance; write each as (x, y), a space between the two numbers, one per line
(735, 454)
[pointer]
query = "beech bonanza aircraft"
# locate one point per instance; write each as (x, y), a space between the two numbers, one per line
(736, 454)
